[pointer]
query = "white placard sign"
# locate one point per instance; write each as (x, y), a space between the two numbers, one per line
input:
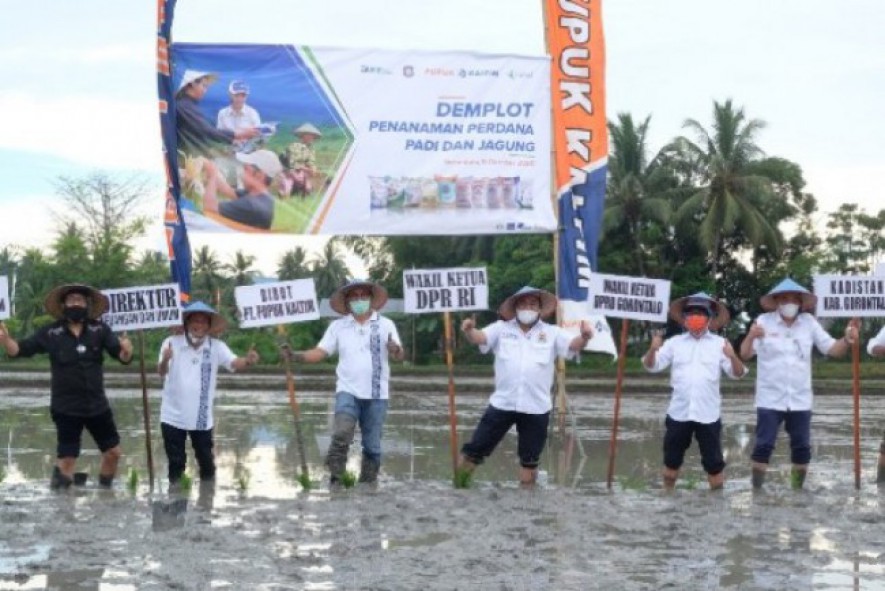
(635, 298)
(445, 290)
(4, 298)
(848, 296)
(880, 269)
(281, 302)
(152, 306)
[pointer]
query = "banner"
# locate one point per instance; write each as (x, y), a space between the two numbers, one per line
(634, 298)
(845, 296)
(134, 308)
(283, 302)
(179, 249)
(580, 143)
(445, 290)
(5, 305)
(305, 140)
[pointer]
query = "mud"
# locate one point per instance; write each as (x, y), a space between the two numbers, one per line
(257, 529)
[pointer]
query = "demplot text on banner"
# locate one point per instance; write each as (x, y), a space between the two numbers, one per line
(363, 141)
(445, 290)
(133, 308)
(282, 302)
(847, 296)
(5, 305)
(634, 298)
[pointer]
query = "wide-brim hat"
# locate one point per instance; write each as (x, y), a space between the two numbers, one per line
(809, 300)
(719, 315)
(308, 128)
(217, 323)
(54, 302)
(194, 75)
(507, 309)
(338, 301)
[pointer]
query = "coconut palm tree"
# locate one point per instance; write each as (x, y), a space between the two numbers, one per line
(726, 187)
(293, 265)
(329, 269)
(241, 268)
(636, 185)
(207, 272)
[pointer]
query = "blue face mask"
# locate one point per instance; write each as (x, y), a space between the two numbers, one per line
(359, 307)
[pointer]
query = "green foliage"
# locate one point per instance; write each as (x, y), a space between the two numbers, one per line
(304, 480)
(132, 480)
(348, 479)
(243, 477)
(462, 478)
(185, 483)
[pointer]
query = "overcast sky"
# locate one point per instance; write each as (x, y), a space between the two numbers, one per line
(78, 85)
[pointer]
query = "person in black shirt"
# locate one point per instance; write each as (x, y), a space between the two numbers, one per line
(76, 343)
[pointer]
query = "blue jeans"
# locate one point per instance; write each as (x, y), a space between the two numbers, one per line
(370, 415)
(797, 424)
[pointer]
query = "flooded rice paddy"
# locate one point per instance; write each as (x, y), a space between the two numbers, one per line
(257, 529)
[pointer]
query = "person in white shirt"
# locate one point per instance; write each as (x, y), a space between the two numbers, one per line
(782, 338)
(696, 357)
(189, 365)
(363, 340)
(525, 349)
(238, 116)
(876, 348)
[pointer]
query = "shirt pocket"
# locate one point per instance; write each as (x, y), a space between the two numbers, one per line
(541, 352)
(508, 349)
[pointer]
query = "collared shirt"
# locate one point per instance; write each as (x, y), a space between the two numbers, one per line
(363, 369)
(697, 363)
(300, 155)
(195, 133)
(189, 386)
(252, 210)
(77, 385)
(524, 364)
(232, 120)
(783, 381)
(876, 341)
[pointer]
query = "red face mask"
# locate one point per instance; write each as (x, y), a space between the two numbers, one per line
(696, 322)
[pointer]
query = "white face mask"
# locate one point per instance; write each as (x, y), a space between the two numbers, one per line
(527, 317)
(788, 310)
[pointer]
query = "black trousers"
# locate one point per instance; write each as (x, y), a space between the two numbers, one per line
(175, 440)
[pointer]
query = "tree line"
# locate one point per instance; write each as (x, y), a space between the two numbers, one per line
(710, 211)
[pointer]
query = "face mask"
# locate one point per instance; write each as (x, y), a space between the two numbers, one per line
(359, 307)
(696, 323)
(527, 316)
(74, 313)
(788, 310)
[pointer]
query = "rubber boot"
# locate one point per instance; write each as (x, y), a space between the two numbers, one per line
(369, 471)
(105, 481)
(797, 478)
(59, 481)
(758, 477)
(343, 428)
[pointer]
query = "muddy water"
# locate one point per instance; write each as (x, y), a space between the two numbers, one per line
(256, 528)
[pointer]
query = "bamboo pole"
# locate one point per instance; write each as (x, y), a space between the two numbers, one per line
(453, 416)
(147, 411)
(293, 404)
(855, 379)
(613, 443)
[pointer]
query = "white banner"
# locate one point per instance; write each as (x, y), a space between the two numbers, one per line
(880, 269)
(133, 308)
(445, 290)
(5, 305)
(277, 303)
(635, 298)
(410, 143)
(846, 296)
(571, 315)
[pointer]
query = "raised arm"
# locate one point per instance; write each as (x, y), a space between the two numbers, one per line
(473, 334)
(8, 343)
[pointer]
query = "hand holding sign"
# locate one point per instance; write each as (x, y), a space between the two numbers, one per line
(252, 356)
(125, 347)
